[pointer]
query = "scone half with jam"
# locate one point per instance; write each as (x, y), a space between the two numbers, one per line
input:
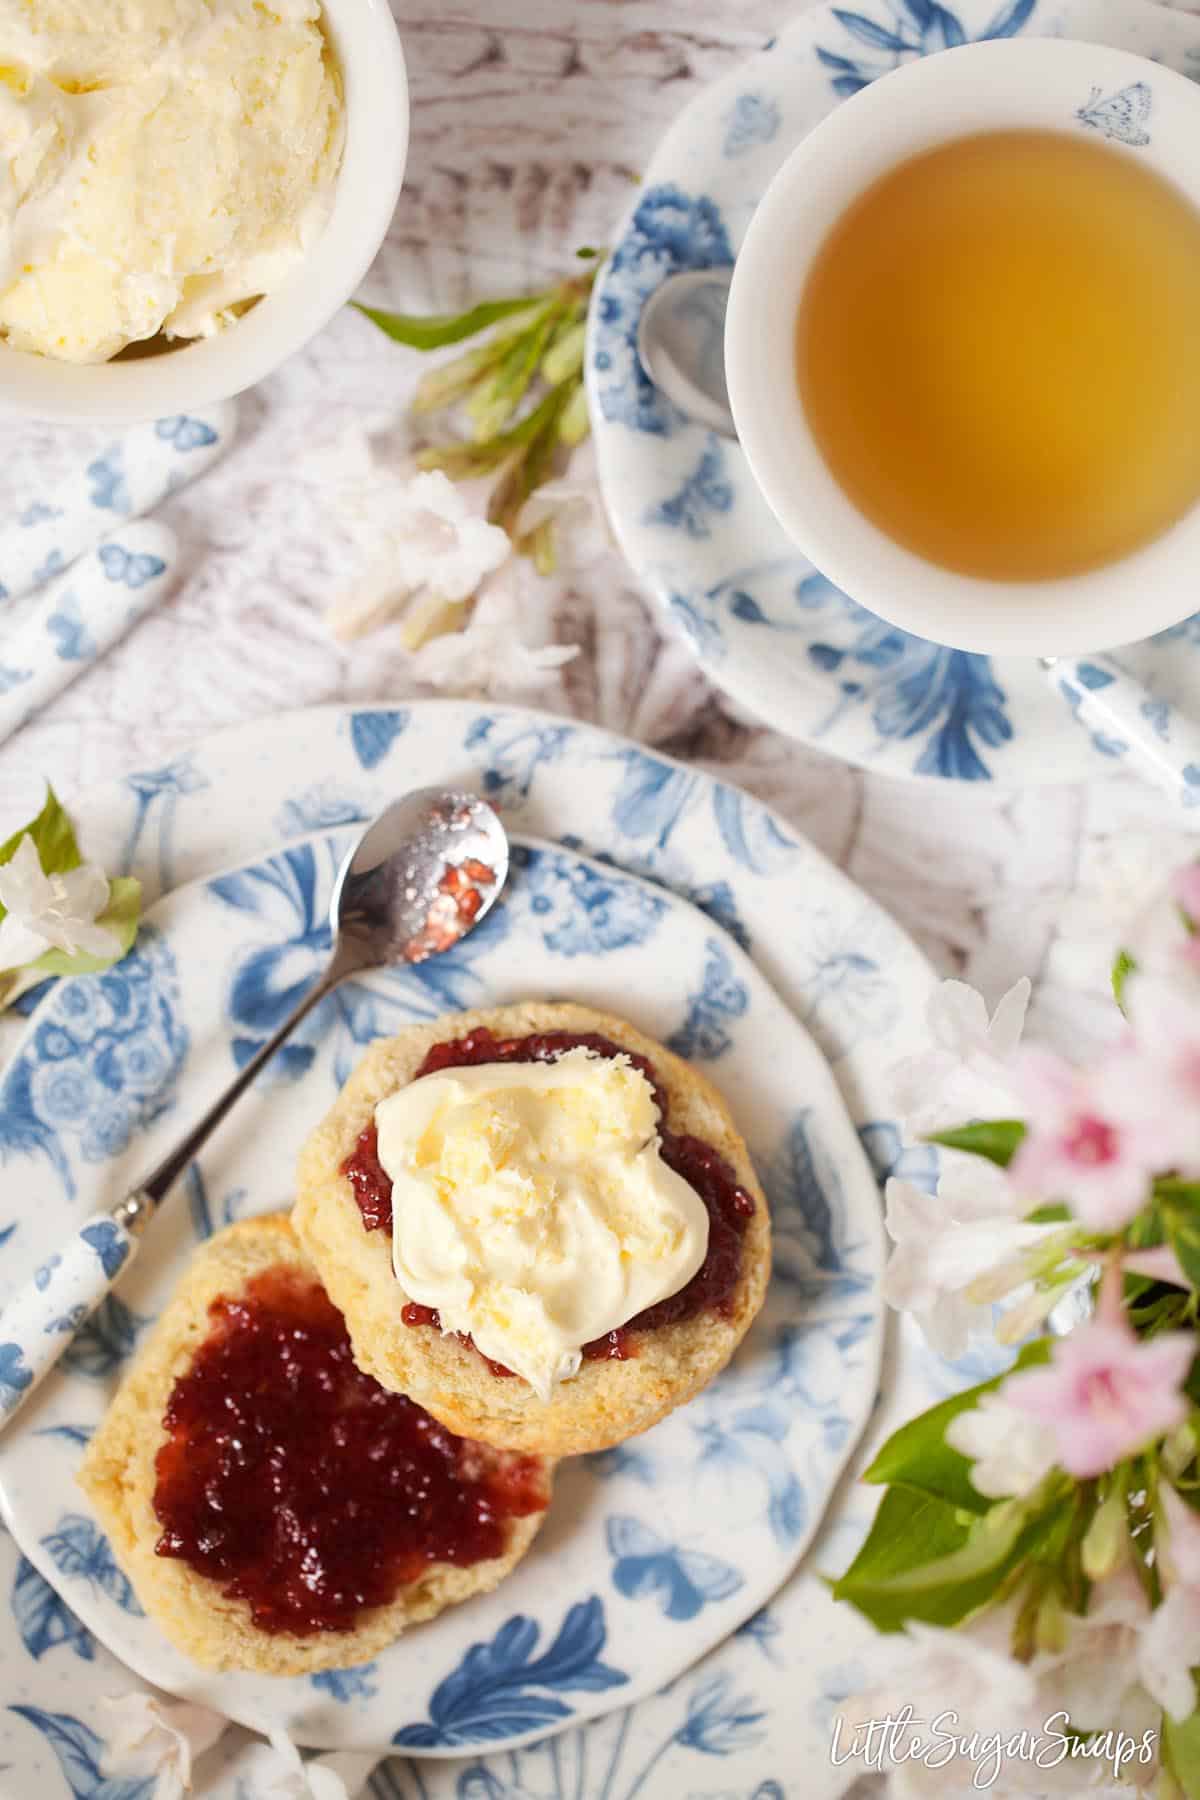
(539, 1223)
(276, 1509)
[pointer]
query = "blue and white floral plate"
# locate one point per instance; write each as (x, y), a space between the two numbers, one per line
(766, 626)
(651, 1553)
(758, 1706)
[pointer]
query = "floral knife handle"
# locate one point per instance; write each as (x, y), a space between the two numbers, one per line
(1129, 722)
(41, 1319)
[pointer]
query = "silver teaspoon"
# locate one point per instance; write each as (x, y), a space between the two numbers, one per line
(420, 877)
(681, 345)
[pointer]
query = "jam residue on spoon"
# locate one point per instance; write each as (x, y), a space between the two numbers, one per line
(304, 1487)
(730, 1208)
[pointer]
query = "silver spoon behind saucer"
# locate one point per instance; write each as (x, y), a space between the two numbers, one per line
(681, 344)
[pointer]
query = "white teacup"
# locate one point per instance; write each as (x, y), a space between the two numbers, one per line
(1034, 84)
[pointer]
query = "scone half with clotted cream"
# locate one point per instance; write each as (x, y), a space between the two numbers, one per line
(539, 1223)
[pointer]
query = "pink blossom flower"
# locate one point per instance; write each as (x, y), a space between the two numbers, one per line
(1104, 1394)
(1163, 1075)
(1178, 1543)
(1085, 1144)
(1159, 1264)
(1185, 888)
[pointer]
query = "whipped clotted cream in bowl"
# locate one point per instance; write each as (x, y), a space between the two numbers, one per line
(189, 190)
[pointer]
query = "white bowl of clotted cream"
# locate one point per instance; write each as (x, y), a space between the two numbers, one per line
(320, 274)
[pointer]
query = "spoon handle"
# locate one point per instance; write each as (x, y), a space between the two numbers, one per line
(163, 1177)
(1130, 723)
(43, 1317)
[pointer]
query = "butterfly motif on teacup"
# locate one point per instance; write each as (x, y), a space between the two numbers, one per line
(683, 1581)
(134, 568)
(1121, 116)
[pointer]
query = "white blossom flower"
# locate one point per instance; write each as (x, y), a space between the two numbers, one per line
(419, 536)
(1120, 899)
(968, 1681)
(51, 912)
(965, 1075)
(1010, 1452)
(154, 1736)
(945, 1242)
(1169, 1648)
(963, 1680)
(277, 1771)
(503, 649)
(582, 533)
(1094, 1677)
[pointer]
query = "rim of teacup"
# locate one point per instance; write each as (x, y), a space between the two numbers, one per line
(367, 46)
(1032, 83)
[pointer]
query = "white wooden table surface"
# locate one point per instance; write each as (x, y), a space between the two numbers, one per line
(531, 120)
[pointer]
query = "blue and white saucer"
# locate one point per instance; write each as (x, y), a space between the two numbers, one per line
(766, 627)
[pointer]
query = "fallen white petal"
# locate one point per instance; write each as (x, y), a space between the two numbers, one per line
(160, 1737)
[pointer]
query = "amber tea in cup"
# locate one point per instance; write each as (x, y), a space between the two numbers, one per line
(998, 354)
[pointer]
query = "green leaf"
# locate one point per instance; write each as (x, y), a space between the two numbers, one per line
(527, 472)
(53, 838)
(436, 330)
(494, 404)
(540, 546)
(451, 380)
(565, 357)
(969, 1565)
(1146, 1231)
(908, 1527)
(1181, 1744)
(574, 424)
(1057, 1214)
(995, 1139)
(1123, 967)
(1179, 1205)
(918, 1456)
(588, 253)
(120, 916)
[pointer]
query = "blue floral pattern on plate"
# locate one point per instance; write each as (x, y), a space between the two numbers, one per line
(503, 1689)
(763, 623)
(531, 1658)
(832, 956)
(913, 28)
(105, 1066)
